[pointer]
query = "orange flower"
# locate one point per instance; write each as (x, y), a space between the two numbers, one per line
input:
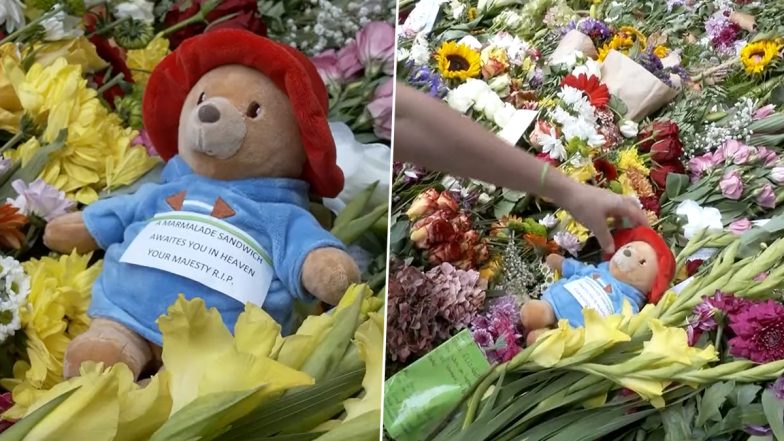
(11, 223)
(540, 243)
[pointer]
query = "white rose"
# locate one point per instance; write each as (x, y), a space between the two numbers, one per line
(489, 103)
(589, 68)
(500, 84)
(471, 41)
(457, 9)
(629, 128)
(459, 100)
(504, 115)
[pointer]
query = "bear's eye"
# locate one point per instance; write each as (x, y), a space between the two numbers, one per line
(202, 97)
(254, 110)
(642, 261)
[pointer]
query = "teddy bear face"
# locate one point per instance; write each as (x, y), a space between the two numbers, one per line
(636, 264)
(236, 124)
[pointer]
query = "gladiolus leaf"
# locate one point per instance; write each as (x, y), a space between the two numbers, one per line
(362, 428)
(774, 412)
(19, 431)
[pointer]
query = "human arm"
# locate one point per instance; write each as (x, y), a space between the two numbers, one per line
(432, 135)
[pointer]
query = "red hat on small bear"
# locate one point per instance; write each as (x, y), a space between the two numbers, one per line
(665, 260)
(290, 70)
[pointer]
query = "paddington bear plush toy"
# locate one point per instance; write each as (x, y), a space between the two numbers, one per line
(640, 271)
(242, 121)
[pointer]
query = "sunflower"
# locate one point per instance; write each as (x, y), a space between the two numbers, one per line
(756, 56)
(458, 61)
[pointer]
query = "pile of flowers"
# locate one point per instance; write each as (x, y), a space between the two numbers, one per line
(72, 77)
(677, 104)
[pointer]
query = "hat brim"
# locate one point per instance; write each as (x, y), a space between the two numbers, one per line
(290, 71)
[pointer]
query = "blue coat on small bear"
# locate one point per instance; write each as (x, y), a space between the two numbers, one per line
(639, 271)
(242, 121)
(272, 211)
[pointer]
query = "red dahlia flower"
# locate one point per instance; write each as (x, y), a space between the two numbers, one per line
(759, 332)
(597, 92)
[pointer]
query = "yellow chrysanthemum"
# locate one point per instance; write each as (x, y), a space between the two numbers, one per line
(582, 173)
(642, 186)
(630, 159)
(627, 189)
(757, 56)
(572, 226)
(622, 41)
(141, 62)
(661, 51)
(457, 61)
(10, 107)
(56, 312)
(97, 144)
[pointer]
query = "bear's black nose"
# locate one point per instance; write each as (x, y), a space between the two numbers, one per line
(627, 252)
(209, 113)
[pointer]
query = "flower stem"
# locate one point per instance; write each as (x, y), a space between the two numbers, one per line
(713, 70)
(36, 22)
(719, 333)
(108, 27)
(199, 17)
(111, 83)
(12, 142)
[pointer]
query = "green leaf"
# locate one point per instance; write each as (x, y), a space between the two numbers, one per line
(33, 169)
(320, 403)
(744, 395)
(208, 416)
(676, 184)
(677, 423)
(712, 400)
(503, 207)
(152, 176)
(774, 412)
(365, 427)
(353, 230)
(21, 428)
(617, 105)
(777, 95)
(356, 206)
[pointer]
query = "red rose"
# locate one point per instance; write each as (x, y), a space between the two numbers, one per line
(546, 158)
(247, 18)
(692, 266)
(110, 52)
(667, 150)
(659, 173)
(658, 131)
(605, 170)
(651, 203)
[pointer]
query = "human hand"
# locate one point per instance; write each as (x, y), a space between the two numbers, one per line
(592, 206)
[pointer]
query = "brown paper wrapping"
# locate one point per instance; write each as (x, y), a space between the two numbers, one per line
(639, 89)
(573, 41)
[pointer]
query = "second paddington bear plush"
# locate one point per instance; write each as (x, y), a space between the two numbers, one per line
(242, 121)
(640, 271)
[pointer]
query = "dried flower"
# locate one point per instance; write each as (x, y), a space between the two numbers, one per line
(425, 309)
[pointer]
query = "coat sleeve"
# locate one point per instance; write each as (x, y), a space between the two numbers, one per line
(107, 219)
(303, 234)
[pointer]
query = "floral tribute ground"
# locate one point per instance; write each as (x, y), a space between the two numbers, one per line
(678, 103)
(72, 77)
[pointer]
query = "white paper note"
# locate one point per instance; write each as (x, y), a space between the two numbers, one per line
(591, 294)
(517, 125)
(206, 250)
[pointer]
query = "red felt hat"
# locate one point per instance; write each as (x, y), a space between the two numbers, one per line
(290, 70)
(665, 259)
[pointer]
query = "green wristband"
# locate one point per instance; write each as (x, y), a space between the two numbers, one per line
(543, 176)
